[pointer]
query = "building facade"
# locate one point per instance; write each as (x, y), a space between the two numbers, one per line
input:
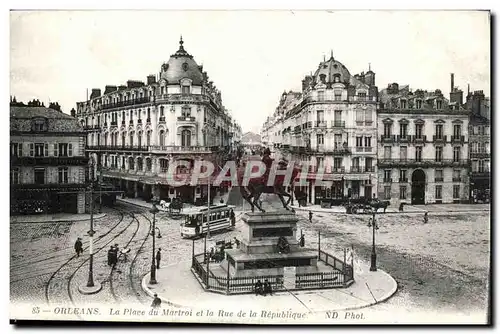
(479, 138)
(47, 161)
(331, 125)
(423, 147)
(137, 130)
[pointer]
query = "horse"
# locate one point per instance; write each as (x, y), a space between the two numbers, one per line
(258, 186)
(376, 204)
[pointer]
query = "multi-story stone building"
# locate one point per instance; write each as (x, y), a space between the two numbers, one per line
(136, 131)
(330, 125)
(47, 161)
(479, 139)
(423, 146)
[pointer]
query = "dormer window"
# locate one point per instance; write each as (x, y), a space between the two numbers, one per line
(336, 78)
(439, 104)
(39, 124)
(418, 104)
(361, 96)
(186, 89)
(403, 104)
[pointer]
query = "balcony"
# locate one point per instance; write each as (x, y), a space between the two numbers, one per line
(369, 169)
(334, 151)
(125, 103)
(419, 139)
(139, 121)
(162, 119)
(403, 138)
(117, 148)
(114, 123)
(356, 169)
(456, 179)
(422, 163)
(483, 174)
(388, 138)
(321, 124)
(368, 149)
(458, 139)
(439, 138)
(131, 122)
(180, 149)
(148, 120)
(405, 180)
(387, 180)
(338, 124)
(338, 169)
(49, 161)
(49, 186)
(438, 179)
(187, 119)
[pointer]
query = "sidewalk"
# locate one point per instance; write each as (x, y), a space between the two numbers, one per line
(58, 217)
(178, 287)
(431, 208)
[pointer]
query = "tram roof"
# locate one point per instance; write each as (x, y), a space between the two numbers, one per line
(200, 209)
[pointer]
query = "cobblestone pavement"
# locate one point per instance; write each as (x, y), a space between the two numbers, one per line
(439, 265)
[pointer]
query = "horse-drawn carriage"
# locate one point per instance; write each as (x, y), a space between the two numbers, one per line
(174, 207)
(363, 205)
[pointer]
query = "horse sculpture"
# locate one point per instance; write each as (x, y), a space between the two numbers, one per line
(258, 186)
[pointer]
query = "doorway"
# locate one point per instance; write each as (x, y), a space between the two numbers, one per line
(418, 187)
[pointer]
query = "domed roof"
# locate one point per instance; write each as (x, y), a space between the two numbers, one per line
(331, 69)
(181, 65)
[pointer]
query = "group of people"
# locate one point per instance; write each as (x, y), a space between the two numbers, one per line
(113, 252)
(263, 289)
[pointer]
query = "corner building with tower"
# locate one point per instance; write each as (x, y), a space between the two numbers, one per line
(135, 131)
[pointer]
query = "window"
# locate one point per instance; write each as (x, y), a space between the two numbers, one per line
(439, 192)
(186, 89)
(387, 129)
(361, 96)
(320, 138)
(418, 153)
(16, 149)
(456, 175)
(369, 164)
(123, 138)
(14, 176)
(39, 175)
(474, 147)
(359, 141)
(359, 117)
(149, 114)
(368, 141)
(439, 104)
(39, 125)
(480, 168)
(419, 130)
(139, 138)
(162, 138)
(439, 153)
(368, 117)
(338, 95)
(131, 163)
(439, 131)
(474, 165)
(402, 175)
(105, 139)
(337, 163)
(387, 175)
(403, 153)
(40, 149)
(139, 164)
(186, 111)
(438, 175)
(456, 154)
(186, 138)
(456, 191)
(387, 192)
(403, 130)
(63, 174)
(148, 138)
(123, 162)
(321, 95)
(131, 137)
(337, 117)
(457, 130)
(162, 110)
(403, 104)
(418, 104)
(402, 192)
(148, 165)
(387, 152)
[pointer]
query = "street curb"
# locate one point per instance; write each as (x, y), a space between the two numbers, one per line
(296, 208)
(384, 298)
(66, 220)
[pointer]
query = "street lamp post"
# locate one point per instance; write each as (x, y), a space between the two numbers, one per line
(152, 278)
(91, 232)
(373, 224)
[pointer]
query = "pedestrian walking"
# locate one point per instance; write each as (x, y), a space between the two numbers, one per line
(110, 255)
(78, 246)
(426, 218)
(158, 258)
(310, 216)
(114, 254)
(233, 218)
(156, 301)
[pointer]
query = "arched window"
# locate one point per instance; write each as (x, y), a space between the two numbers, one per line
(131, 138)
(139, 164)
(139, 138)
(162, 110)
(148, 165)
(186, 111)
(186, 138)
(162, 138)
(123, 138)
(105, 139)
(130, 163)
(148, 138)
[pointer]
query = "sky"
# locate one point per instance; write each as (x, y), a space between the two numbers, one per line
(251, 56)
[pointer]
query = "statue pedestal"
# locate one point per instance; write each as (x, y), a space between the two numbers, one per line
(259, 254)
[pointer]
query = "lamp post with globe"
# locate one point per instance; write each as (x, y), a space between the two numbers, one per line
(152, 278)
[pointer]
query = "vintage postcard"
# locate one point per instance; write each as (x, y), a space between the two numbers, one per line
(250, 167)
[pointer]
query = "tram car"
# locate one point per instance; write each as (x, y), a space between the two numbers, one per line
(108, 194)
(198, 221)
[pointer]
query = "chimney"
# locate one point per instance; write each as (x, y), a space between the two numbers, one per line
(151, 79)
(452, 82)
(73, 112)
(109, 89)
(96, 92)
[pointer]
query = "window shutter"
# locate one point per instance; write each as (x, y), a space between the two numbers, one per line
(56, 151)
(46, 150)
(32, 149)
(70, 150)
(20, 149)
